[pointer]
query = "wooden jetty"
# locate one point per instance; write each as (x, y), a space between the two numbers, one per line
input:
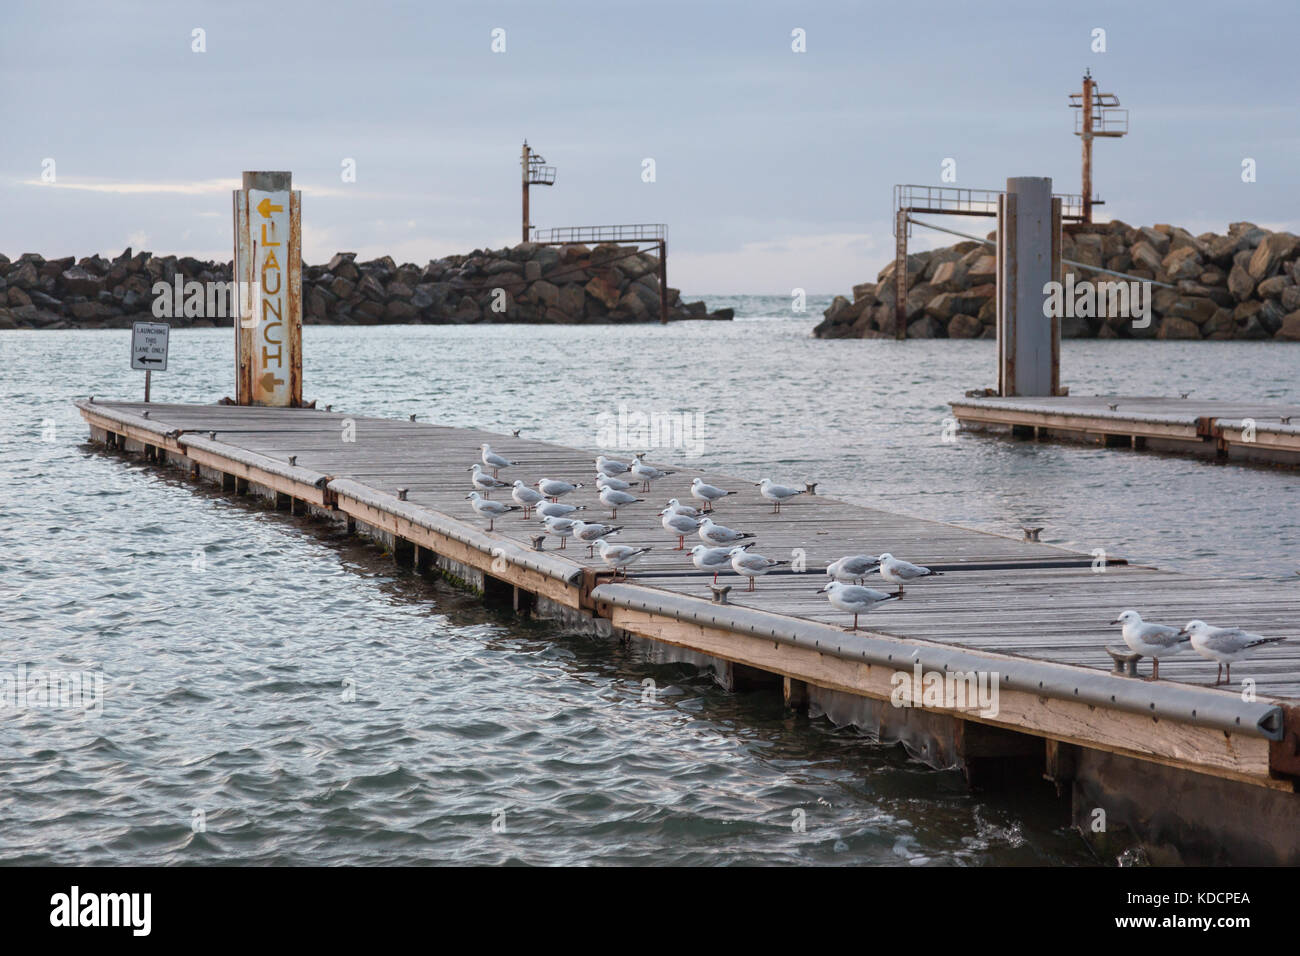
(1161, 759)
(1235, 431)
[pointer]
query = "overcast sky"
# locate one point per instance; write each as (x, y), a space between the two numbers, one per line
(773, 168)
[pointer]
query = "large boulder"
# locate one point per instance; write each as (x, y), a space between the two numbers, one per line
(964, 326)
(1173, 327)
(1240, 283)
(1290, 330)
(1269, 254)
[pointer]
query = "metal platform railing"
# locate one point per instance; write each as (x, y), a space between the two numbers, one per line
(958, 201)
(628, 232)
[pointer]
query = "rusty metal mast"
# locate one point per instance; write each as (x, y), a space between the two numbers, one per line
(533, 172)
(1097, 116)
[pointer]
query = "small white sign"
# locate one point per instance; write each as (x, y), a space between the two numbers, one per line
(149, 346)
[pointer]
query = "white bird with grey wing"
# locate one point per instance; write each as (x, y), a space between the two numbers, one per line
(646, 473)
(900, 572)
(556, 509)
(852, 568)
(610, 467)
(526, 497)
(613, 499)
(1223, 645)
(592, 531)
(619, 556)
(678, 524)
(719, 535)
(561, 528)
(1150, 639)
(494, 461)
(853, 599)
(711, 559)
(751, 565)
(554, 489)
(487, 508)
(777, 494)
(707, 493)
(484, 482)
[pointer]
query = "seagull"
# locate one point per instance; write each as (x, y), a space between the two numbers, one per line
(1223, 645)
(852, 567)
(711, 559)
(495, 461)
(619, 555)
(555, 509)
(561, 528)
(553, 488)
(899, 572)
(525, 497)
(853, 599)
(679, 524)
(1150, 639)
(647, 473)
(777, 493)
(751, 565)
(609, 467)
(613, 499)
(681, 509)
(483, 481)
(717, 534)
(487, 508)
(618, 484)
(591, 531)
(707, 493)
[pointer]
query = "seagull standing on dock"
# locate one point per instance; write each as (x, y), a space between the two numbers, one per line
(618, 484)
(488, 508)
(707, 493)
(494, 461)
(852, 568)
(718, 535)
(751, 565)
(484, 482)
(526, 497)
(853, 599)
(897, 571)
(553, 488)
(777, 494)
(592, 531)
(556, 509)
(610, 467)
(561, 528)
(1150, 639)
(613, 499)
(711, 559)
(1223, 645)
(678, 524)
(646, 473)
(681, 509)
(619, 556)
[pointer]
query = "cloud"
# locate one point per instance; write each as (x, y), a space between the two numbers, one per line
(195, 188)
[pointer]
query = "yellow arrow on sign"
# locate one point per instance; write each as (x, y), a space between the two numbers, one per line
(265, 208)
(269, 381)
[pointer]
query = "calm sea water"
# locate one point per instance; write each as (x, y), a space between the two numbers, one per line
(228, 636)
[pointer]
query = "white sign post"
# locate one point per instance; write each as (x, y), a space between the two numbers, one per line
(149, 349)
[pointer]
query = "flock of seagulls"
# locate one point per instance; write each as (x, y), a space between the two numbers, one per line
(617, 483)
(1223, 645)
